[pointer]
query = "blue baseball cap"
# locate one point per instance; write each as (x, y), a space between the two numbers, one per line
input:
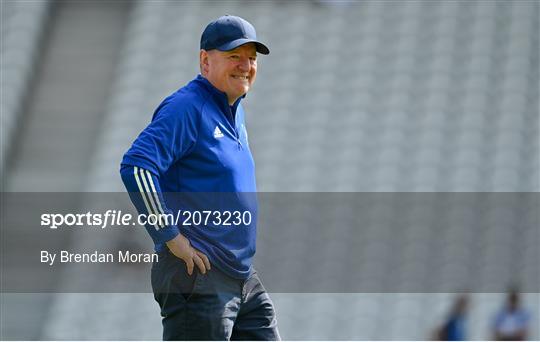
(229, 32)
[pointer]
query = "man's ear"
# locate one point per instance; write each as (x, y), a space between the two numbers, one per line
(203, 61)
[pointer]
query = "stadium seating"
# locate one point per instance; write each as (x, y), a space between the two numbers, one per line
(22, 28)
(370, 96)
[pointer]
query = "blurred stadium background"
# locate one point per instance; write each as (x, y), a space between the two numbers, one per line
(362, 96)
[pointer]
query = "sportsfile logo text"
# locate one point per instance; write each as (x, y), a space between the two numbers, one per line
(116, 218)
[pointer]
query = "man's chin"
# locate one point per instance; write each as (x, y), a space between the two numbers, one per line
(242, 91)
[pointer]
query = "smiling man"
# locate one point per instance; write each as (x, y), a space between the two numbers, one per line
(197, 143)
(233, 72)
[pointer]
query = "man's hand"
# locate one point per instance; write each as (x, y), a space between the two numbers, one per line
(181, 248)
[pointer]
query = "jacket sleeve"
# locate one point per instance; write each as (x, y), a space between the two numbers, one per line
(145, 193)
(170, 136)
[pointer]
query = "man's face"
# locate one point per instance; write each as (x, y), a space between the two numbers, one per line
(233, 72)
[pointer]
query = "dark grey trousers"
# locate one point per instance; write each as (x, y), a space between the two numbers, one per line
(211, 306)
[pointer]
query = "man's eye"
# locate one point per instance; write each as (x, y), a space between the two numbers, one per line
(253, 59)
(234, 57)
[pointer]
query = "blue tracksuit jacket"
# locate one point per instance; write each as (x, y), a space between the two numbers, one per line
(194, 156)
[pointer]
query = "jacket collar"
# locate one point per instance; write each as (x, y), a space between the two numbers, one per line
(220, 96)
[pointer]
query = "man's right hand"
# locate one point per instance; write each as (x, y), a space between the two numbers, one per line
(181, 248)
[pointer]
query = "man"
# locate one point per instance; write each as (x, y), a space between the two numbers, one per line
(197, 144)
(511, 322)
(454, 328)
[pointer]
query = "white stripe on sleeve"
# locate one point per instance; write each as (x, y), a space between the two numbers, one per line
(150, 197)
(154, 192)
(141, 190)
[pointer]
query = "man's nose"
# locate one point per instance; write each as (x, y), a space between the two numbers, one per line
(244, 64)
